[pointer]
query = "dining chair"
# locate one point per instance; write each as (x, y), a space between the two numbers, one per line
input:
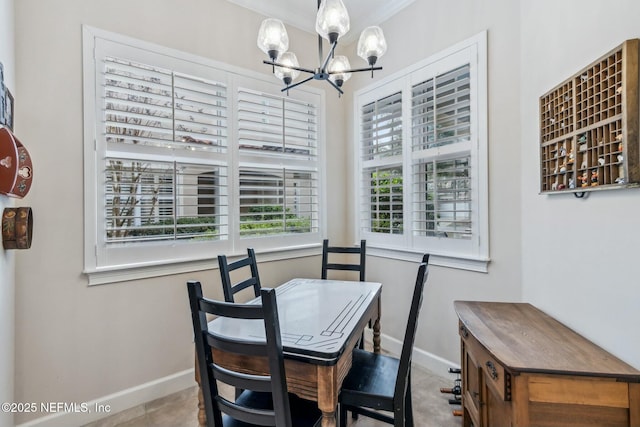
(378, 382)
(264, 399)
(228, 287)
(360, 267)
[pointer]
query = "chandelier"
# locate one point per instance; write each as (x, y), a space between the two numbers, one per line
(332, 22)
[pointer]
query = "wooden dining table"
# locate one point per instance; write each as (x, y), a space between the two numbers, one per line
(320, 323)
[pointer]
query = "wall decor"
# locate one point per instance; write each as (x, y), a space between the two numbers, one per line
(16, 170)
(17, 228)
(589, 126)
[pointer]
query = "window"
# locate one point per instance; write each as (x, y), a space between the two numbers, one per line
(422, 156)
(276, 199)
(382, 165)
(186, 158)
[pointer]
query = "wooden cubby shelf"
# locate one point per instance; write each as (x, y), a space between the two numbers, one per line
(589, 126)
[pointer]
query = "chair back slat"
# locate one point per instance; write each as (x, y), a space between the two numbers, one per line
(412, 325)
(229, 309)
(360, 267)
(349, 267)
(210, 372)
(235, 346)
(240, 413)
(241, 380)
(228, 287)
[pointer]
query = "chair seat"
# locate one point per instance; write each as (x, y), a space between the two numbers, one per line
(304, 413)
(371, 381)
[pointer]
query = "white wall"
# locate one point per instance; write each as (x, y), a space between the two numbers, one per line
(423, 29)
(7, 283)
(77, 343)
(580, 257)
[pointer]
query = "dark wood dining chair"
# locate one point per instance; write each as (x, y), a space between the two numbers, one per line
(264, 399)
(228, 287)
(383, 383)
(359, 250)
(360, 267)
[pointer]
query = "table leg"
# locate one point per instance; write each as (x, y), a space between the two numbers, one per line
(328, 389)
(329, 419)
(376, 336)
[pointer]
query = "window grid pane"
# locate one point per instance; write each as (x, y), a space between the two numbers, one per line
(441, 112)
(442, 201)
(278, 201)
(161, 201)
(271, 126)
(382, 201)
(146, 105)
(381, 128)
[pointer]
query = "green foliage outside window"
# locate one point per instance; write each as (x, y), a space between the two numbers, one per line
(270, 219)
(204, 227)
(386, 197)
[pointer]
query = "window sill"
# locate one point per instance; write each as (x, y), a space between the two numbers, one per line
(129, 272)
(460, 262)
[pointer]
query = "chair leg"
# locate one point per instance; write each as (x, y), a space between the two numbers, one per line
(342, 422)
(408, 405)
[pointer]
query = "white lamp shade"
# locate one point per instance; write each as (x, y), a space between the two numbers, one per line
(332, 20)
(287, 58)
(337, 65)
(371, 44)
(273, 37)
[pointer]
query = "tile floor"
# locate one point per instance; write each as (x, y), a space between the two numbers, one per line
(431, 408)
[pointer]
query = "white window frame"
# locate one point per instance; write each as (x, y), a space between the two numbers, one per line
(131, 262)
(468, 254)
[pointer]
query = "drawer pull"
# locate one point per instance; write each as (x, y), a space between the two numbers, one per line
(493, 372)
(464, 332)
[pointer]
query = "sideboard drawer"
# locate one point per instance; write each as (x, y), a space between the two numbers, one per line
(494, 373)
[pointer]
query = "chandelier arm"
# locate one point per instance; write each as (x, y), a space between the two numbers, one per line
(296, 84)
(336, 86)
(356, 70)
(329, 55)
(306, 70)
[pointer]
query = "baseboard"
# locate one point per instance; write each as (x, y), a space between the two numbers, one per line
(435, 364)
(117, 402)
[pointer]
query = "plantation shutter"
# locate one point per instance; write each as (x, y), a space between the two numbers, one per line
(273, 131)
(158, 185)
(154, 200)
(441, 110)
(381, 155)
(440, 136)
(442, 202)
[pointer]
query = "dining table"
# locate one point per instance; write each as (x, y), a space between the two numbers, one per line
(321, 322)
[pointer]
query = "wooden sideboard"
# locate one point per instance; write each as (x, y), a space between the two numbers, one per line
(521, 367)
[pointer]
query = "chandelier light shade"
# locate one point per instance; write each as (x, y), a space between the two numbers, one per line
(273, 38)
(371, 45)
(332, 23)
(337, 69)
(288, 59)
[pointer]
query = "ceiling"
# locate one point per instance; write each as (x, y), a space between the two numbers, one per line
(302, 13)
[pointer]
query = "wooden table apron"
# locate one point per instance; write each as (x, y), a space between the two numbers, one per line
(320, 322)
